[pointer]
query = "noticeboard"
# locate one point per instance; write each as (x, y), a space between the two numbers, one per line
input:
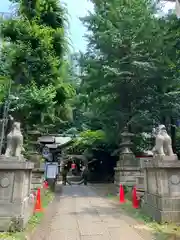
(51, 170)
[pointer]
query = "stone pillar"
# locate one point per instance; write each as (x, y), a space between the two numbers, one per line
(35, 158)
(38, 171)
(38, 177)
(140, 179)
(162, 189)
(16, 202)
(128, 167)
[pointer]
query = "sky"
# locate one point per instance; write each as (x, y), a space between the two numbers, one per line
(76, 9)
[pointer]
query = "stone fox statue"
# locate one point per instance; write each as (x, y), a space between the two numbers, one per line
(163, 145)
(14, 141)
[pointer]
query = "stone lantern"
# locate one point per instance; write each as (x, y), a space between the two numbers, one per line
(126, 143)
(128, 167)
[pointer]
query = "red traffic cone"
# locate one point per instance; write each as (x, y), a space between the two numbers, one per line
(38, 207)
(135, 202)
(121, 194)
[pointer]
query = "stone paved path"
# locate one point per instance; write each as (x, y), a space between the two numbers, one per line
(83, 215)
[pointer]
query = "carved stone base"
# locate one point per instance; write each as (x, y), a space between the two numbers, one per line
(12, 159)
(165, 158)
(15, 200)
(15, 215)
(126, 176)
(128, 168)
(162, 209)
(162, 190)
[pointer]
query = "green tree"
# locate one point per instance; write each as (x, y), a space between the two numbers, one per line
(34, 57)
(129, 72)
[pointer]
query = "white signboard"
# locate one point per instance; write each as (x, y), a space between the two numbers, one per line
(51, 170)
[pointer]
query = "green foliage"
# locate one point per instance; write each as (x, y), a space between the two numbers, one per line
(4, 85)
(89, 137)
(142, 143)
(35, 104)
(33, 58)
(130, 70)
(89, 140)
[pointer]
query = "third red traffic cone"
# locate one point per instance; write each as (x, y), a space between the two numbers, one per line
(121, 194)
(135, 202)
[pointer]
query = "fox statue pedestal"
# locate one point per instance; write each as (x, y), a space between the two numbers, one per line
(162, 190)
(162, 181)
(16, 203)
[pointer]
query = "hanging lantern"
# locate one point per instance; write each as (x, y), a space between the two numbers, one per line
(73, 166)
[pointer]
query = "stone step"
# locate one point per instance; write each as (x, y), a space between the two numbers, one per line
(74, 178)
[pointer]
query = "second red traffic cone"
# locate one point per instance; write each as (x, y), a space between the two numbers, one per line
(135, 201)
(121, 194)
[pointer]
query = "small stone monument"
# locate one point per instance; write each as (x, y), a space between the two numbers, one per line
(128, 167)
(162, 180)
(16, 204)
